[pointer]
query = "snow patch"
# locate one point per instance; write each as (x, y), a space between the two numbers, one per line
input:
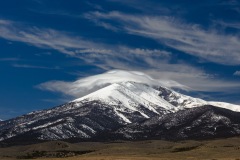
(235, 108)
(47, 124)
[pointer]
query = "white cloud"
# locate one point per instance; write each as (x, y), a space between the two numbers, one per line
(209, 44)
(235, 25)
(89, 84)
(10, 59)
(237, 73)
(5, 22)
(101, 55)
(199, 82)
(33, 66)
(96, 53)
(153, 62)
(43, 38)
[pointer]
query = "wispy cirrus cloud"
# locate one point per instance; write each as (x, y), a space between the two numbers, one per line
(43, 37)
(154, 62)
(70, 44)
(150, 7)
(235, 25)
(237, 73)
(33, 66)
(209, 44)
(10, 59)
(95, 53)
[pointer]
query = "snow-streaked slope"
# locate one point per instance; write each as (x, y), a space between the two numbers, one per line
(179, 100)
(233, 107)
(182, 101)
(130, 95)
(195, 123)
(113, 106)
(110, 108)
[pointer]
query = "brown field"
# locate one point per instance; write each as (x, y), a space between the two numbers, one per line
(142, 150)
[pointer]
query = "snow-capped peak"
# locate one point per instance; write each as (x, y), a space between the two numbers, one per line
(128, 91)
(130, 96)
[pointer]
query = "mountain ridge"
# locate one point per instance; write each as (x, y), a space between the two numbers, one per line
(207, 122)
(109, 109)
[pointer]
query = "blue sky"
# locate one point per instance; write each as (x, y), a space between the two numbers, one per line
(50, 49)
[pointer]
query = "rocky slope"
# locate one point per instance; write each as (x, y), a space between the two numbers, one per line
(127, 110)
(196, 123)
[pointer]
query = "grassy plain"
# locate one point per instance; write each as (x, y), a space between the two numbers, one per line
(222, 149)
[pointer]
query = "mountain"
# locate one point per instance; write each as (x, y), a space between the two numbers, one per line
(183, 101)
(204, 122)
(126, 110)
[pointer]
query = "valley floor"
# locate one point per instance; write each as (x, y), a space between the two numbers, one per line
(141, 150)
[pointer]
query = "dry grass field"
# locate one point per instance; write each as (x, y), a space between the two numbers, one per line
(142, 150)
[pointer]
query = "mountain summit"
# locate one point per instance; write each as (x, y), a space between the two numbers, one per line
(127, 110)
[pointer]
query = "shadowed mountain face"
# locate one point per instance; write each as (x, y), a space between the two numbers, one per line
(127, 110)
(196, 123)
